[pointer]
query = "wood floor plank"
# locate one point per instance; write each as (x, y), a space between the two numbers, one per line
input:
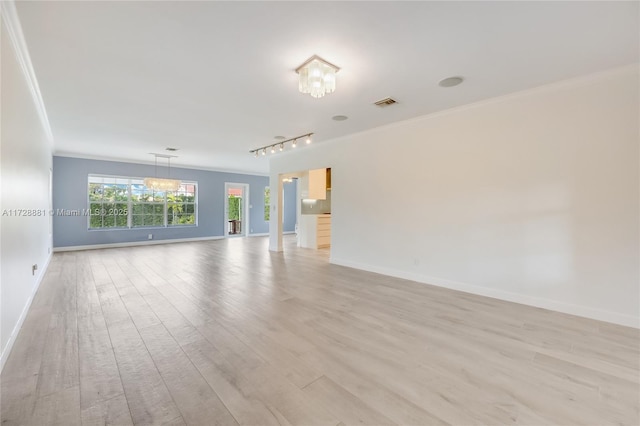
(149, 399)
(99, 374)
(343, 404)
(196, 400)
(247, 409)
(58, 409)
(227, 332)
(110, 412)
(59, 369)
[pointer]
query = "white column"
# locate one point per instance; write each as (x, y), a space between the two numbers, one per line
(275, 217)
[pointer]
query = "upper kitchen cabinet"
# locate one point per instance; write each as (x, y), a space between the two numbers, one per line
(318, 184)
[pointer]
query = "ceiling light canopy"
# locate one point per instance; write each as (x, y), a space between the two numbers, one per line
(162, 184)
(317, 77)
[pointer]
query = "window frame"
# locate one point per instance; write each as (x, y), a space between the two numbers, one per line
(133, 180)
(267, 207)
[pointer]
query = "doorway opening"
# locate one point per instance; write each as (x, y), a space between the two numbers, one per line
(309, 202)
(236, 203)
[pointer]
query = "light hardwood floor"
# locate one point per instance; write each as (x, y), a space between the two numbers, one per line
(226, 332)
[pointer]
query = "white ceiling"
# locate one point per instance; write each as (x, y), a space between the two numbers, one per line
(216, 79)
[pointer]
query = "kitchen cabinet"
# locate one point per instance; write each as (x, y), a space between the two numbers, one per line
(323, 231)
(318, 184)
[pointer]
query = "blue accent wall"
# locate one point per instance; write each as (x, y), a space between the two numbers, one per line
(70, 190)
(289, 211)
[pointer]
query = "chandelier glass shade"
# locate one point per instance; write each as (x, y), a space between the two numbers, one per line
(317, 77)
(162, 184)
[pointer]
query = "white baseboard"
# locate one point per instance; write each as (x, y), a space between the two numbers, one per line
(134, 243)
(14, 334)
(266, 234)
(553, 305)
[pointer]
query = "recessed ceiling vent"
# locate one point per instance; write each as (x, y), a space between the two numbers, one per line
(171, 149)
(385, 102)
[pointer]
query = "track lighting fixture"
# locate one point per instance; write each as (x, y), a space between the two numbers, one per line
(281, 145)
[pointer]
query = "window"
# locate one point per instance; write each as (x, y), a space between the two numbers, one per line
(267, 203)
(127, 203)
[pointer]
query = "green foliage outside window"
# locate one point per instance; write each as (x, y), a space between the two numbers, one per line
(127, 203)
(234, 207)
(267, 203)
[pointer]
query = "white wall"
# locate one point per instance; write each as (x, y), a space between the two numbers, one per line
(531, 197)
(25, 164)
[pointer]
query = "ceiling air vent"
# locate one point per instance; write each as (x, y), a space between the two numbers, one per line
(385, 102)
(171, 149)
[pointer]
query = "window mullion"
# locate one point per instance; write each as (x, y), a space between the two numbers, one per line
(129, 207)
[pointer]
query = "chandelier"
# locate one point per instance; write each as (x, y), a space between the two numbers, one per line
(162, 184)
(317, 77)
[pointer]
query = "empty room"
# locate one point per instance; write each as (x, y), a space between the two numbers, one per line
(320, 213)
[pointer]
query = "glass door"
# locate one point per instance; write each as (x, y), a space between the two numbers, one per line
(236, 196)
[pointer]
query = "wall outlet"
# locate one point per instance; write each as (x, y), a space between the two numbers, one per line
(151, 236)
(34, 268)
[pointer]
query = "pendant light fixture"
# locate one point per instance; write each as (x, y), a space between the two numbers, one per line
(162, 184)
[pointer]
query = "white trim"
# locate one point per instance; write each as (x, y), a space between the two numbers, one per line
(266, 234)
(64, 154)
(134, 243)
(14, 29)
(16, 330)
(553, 305)
(244, 220)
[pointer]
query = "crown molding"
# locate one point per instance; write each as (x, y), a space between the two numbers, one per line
(16, 37)
(80, 156)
